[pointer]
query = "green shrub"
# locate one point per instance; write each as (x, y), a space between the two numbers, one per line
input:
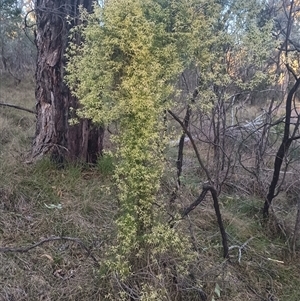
(105, 164)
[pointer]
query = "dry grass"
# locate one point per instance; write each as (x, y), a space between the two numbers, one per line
(39, 201)
(62, 265)
(43, 202)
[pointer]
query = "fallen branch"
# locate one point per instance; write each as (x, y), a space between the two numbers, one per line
(241, 248)
(53, 238)
(17, 107)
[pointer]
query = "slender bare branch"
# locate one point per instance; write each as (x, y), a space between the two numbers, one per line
(16, 107)
(213, 191)
(196, 203)
(193, 144)
(52, 238)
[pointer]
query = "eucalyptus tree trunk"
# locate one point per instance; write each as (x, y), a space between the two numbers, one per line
(54, 103)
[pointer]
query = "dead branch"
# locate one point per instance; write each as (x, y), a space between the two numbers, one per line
(196, 203)
(214, 194)
(283, 148)
(240, 248)
(17, 107)
(213, 191)
(52, 238)
(179, 161)
(193, 144)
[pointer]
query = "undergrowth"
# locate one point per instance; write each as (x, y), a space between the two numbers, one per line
(39, 201)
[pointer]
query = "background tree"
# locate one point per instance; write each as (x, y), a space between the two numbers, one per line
(18, 52)
(287, 32)
(230, 73)
(54, 134)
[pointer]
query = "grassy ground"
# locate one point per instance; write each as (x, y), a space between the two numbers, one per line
(39, 203)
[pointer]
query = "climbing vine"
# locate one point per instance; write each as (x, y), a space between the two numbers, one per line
(125, 71)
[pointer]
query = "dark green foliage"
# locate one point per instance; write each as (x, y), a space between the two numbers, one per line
(106, 164)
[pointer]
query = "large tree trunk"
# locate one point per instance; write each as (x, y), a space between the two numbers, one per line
(54, 135)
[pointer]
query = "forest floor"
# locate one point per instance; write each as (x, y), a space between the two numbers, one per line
(56, 226)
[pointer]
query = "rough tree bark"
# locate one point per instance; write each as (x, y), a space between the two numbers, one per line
(54, 135)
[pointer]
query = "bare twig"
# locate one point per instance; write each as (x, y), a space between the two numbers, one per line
(127, 289)
(196, 203)
(52, 238)
(241, 248)
(193, 144)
